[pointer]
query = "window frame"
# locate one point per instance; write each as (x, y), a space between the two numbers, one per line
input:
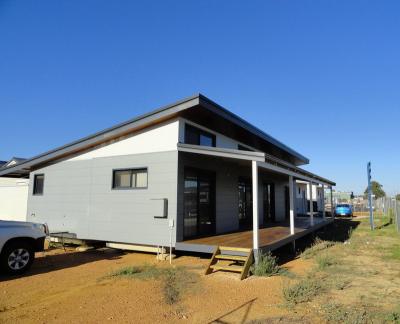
(198, 132)
(34, 190)
(132, 171)
(241, 147)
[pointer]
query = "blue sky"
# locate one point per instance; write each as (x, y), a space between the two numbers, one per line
(321, 76)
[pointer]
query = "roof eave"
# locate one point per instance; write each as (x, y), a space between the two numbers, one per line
(208, 103)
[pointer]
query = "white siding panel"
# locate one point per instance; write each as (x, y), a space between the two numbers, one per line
(13, 199)
(158, 139)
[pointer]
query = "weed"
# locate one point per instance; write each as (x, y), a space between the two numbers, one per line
(335, 313)
(394, 252)
(142, 272)
(266, 266)
(318, 245)
(325, 260)
(339, 283)
(301, 292)
(392, 317)
(175, 280)
(171, 287)
(128, 271)
(285, 272)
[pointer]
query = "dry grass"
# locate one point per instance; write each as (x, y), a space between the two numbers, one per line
(362, 276)
(176, 280)
(336, 313)
(318, 246)
(140, 272)
(325, 261)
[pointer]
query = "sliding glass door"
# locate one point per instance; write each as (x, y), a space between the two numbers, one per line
(245, 203)
(269, 202)
(199, 203)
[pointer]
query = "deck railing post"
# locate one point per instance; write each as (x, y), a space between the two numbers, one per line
(323, 201)
(254, 168)
(291, 205)
(311, 204)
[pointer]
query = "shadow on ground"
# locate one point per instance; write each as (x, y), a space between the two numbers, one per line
(53, 262)
(237, 312)
(338, 231)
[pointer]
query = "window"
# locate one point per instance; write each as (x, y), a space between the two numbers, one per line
(244, 148)
(38, 182)
(197, 136)
(129, 178)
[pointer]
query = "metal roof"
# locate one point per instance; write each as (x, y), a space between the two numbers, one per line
(23, 167)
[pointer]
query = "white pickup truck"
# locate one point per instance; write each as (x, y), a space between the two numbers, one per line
(18, 243)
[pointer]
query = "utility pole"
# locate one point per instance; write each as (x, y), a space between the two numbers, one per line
(371, 212)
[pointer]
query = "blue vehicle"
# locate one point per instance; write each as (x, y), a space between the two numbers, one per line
(344, 210)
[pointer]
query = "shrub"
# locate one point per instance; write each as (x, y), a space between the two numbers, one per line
(393, 317)
(128, 271)
(174, 280)
(267, 265)
(336, 313)
(301, 292)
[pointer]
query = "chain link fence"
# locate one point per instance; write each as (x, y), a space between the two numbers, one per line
(387, 208)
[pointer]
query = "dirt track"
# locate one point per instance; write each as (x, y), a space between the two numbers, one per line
(74, 287)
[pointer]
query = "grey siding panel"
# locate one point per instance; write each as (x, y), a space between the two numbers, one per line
(78, 198)
(227, 176)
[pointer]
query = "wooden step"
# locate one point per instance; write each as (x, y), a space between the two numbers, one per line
(231, 257)
(236, 249)
(233, 268)
(244, 255)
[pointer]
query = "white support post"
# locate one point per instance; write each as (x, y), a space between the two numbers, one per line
(332, 209)
(323, 201)
(291, 205)
(311, 205)
(254, 168)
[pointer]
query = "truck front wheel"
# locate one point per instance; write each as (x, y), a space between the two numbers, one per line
(17, 257)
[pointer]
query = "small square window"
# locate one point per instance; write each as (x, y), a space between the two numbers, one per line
(129, 178)
(38, 183)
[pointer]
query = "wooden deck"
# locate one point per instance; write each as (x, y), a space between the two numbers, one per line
(270, 237)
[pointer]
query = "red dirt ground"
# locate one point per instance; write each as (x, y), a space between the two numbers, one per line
(69, 286)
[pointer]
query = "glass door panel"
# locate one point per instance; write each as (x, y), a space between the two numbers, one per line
(199, 203)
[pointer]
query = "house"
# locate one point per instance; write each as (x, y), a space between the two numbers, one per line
(13, 161)
(302, 189)
(190, 175)
(13, 194)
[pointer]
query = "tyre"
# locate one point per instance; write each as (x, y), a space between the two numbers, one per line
(17, 257)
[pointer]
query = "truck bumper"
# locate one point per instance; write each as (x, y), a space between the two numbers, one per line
(40, 244)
